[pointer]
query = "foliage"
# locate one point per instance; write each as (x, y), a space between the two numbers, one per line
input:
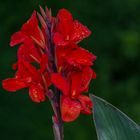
(111, 123)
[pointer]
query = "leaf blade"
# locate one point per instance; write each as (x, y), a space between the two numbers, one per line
(111, 123)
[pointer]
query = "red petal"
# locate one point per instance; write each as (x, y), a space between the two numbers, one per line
(22, 71)
(36, 92)
(31, 70)
(60, 83)
(79, 32)
(61, 54)
(30, 25)
(64, 14)
(17, 38)
(87, 75)
(86, 104)
(80, 57)
(27, 71)
(13, 84)
(31, 29)
(76, 84)
(29, 52)
(59, 40)
(65, 22)
(70, 109)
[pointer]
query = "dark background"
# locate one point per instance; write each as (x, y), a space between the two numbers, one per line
(115, 39)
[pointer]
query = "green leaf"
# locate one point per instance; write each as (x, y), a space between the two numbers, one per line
(111, 123)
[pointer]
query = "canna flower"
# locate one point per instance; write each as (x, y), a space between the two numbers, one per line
(27, 76)
(48, 56)
(72, 88)
(68, 30)
(71, 108)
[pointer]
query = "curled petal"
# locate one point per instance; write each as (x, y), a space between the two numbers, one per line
(70, 109)
(17, 38)
(14, 84)
(86, 104)
(65, 23)
(60, 83)
(36, 92)
(79, 32)
(80, 57)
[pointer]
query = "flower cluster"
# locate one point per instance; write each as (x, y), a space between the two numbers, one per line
(49, 56)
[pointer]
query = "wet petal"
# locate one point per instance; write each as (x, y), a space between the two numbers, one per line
(36, 93)
(70, 109)
(79, 32)
(80, 57)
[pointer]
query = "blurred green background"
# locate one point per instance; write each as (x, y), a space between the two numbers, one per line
(116, 42)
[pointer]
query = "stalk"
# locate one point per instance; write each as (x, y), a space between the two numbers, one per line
(54, 97)
(57, 121)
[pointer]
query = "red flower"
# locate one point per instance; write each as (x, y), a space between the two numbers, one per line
(75, 83)
(69, 30)
(70, 108)
(27, 76)
(50, 55)
(30, 30)
(72, 88)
